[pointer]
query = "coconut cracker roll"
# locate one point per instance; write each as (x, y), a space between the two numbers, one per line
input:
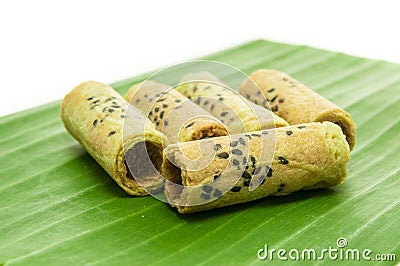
(238, 114)
(173, 114)
(295, 102)
(222, 171)
(115, 136)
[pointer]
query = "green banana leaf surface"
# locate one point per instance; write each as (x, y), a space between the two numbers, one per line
(59, 207)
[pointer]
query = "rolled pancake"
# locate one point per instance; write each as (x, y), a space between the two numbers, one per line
(173, 114)
(246, 167)
(115, 136)
(238, 114)
(295, 102)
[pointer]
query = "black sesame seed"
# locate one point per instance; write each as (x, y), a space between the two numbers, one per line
(123, 116)
(95, 122)
(205, 196)
(217, 193)
(285, 79)
(91, 108)
(212, 107)
(253, 160)
(257, 170)
(248, 96)
(115, 106)
(191, 124)
(244, 160)
(97, 101)
(246, 183)
(157, 124)
(110, 110)
(282, 160)
(137, 100)
(220, 99)
(234, 143)
(256, 135)
(274, 108)
(157, 95)
(289, 132)
(241, 141)
(231, 119)
(178, 107)
(224, 114)
(207, 88)
(177, 100)
(264, 132)
(218, 147)
(279, 189)
(268, 170)
(206, 102)
(166, 123)
(207, 188)
(236, 189)
(274, 98)
(271, 90)
(160, 100)
(165, 105)
(105, 109)
(281, 100)
(90, 98)
(235, 162)
(223, 155)
(301, 127)
(189, 97)
(217, 176)
(265, 102)
(151, 113)
(162, 114)
(258, 92)
(156, 109)
(237, 152)
(145, 96)
(255, 101)
(111, 133)
(195, 89)
(246, 175)
(282, 185)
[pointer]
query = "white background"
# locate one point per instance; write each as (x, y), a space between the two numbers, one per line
(48, 47)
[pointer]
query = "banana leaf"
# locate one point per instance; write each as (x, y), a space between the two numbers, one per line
(58, 207)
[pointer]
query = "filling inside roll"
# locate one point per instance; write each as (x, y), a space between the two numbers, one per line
(141, 170)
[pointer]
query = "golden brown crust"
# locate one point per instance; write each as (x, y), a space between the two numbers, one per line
(95, 114)
(172, 113)
(294, 101)
(307, 156)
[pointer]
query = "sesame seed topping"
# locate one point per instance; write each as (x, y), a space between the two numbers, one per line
(237, 152)
(217, 193)
(289, 132)
(236, 189)
(162, 114)
(224, 114)
(246, 175)
(274, 108)
(257, 170)
(271, 90)
(90, 98)
(301, 127)
(205, 196)
(95, 122)
(111, 133)
(191, 124)
(241, 141)
(207, 188)
(234, 143)
(281, 100)
(274, 98)
(222, 155)
(282, 160)
(218, 147)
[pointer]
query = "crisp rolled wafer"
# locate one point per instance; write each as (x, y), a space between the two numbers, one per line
(173, 114)
(115, 136)
(233, 110)
(295, 102)
(247, 167)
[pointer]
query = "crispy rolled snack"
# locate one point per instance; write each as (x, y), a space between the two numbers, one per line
(115, 136)
(247, 167)
(238, 114)
(295, 102)
(173, 114)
